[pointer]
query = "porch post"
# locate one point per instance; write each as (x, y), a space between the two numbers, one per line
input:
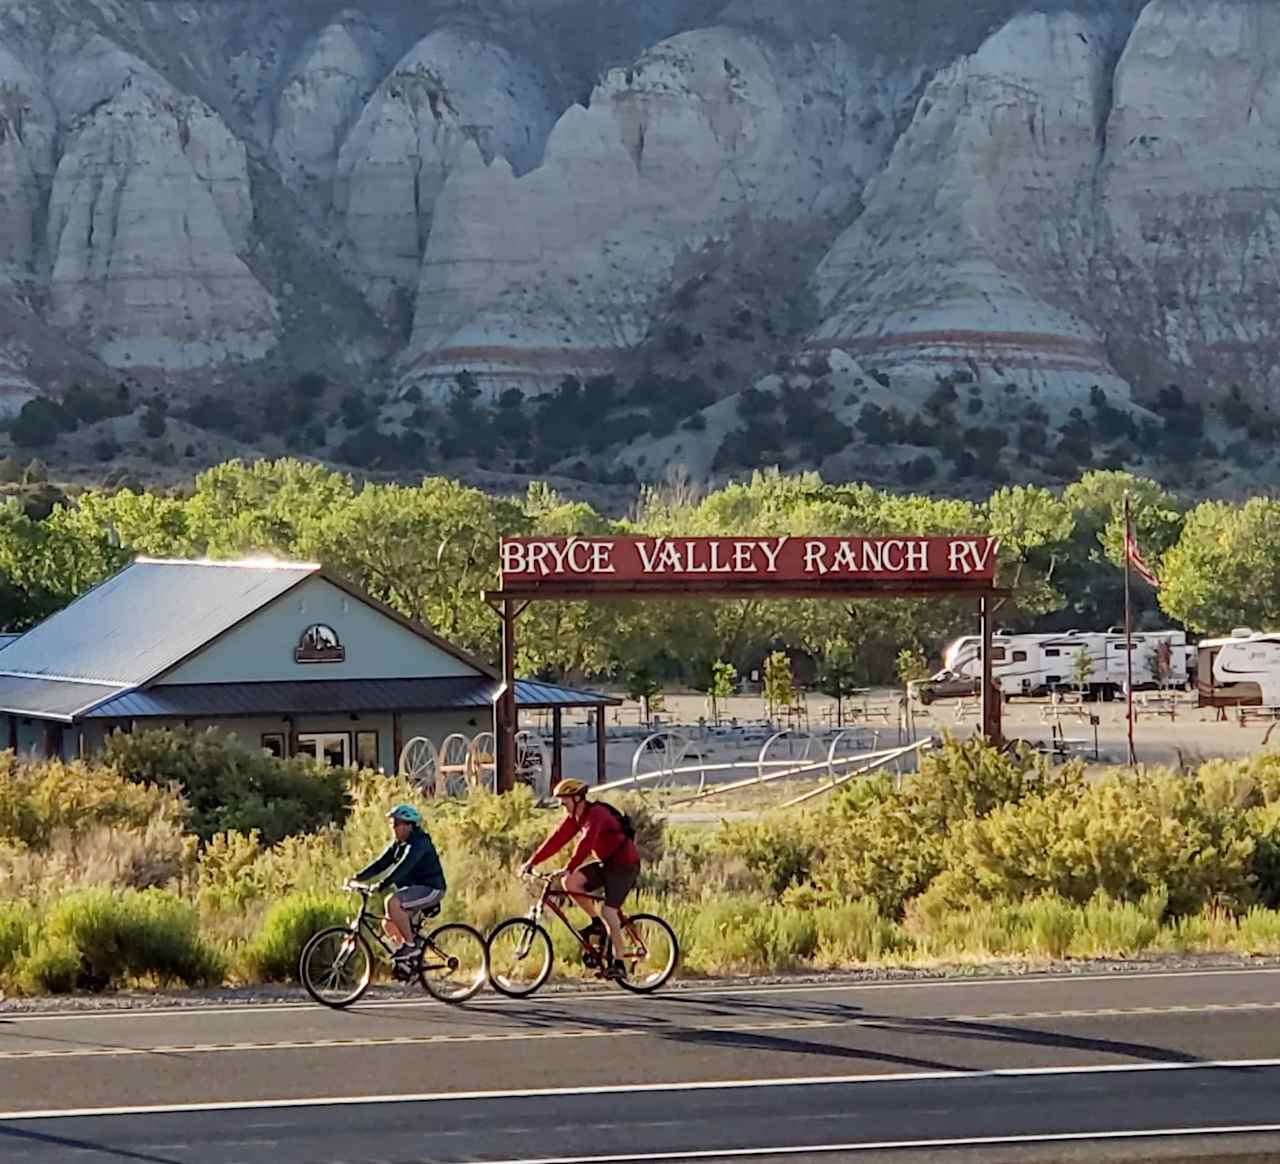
(991, 698)
(602, 758)
(506, 710)
(397, 742)
(557, 745)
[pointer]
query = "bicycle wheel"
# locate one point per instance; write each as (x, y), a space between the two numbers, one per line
(652, 953)
(336, 966)
(455, 962)
(519, 957)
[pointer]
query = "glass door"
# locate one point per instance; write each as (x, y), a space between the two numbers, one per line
(334, 748)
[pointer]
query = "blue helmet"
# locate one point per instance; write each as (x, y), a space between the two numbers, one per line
(406, 813)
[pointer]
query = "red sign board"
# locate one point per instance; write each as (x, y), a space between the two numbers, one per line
(707, 561)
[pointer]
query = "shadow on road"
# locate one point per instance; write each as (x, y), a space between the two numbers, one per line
(73, 1145)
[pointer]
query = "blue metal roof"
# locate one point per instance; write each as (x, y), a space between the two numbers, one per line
(50, 698)
(137, 624)
(7, 638)
(319, 696)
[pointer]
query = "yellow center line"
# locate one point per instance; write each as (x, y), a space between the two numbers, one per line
(623, 1031)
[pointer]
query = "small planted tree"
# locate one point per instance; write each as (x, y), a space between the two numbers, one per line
(1081, 669)
(724, 676)
(643, 685)
(838, 677)
(779, 686)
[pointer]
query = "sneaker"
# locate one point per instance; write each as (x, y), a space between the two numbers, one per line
(596, 927)
(616, 969)
(405, 954)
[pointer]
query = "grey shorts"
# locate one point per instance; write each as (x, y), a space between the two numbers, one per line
(413, 897)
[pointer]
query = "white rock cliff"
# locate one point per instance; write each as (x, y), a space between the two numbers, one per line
(1054, 195)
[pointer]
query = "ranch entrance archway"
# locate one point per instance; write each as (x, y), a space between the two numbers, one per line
(596, 569)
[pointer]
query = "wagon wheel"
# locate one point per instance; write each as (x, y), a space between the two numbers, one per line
(532, 767)
(418, 760)
(481, 761)
(451, 776)
(655, 758)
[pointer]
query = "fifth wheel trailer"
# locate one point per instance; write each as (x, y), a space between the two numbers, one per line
(1036, 664)
(1240, 670)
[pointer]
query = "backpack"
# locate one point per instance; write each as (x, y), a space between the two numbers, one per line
(628, 829)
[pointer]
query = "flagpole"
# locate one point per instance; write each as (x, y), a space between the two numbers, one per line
(1128, 630)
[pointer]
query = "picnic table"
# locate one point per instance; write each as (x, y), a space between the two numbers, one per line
(1250, 715)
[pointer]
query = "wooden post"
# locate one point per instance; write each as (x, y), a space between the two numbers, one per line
(397, 742)
(557, 745)
(13, 734)
(602, 757)
(506, 710)
(290, 737)
(991, 727)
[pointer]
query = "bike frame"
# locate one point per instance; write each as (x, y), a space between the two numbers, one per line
(551, 898)
(366, 922)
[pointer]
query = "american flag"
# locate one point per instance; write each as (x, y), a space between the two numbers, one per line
(1135, 556)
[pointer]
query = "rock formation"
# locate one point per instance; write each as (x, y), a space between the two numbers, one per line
(1055, 194)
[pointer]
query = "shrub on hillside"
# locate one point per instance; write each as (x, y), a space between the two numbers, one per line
(98, 939)
(232, 787)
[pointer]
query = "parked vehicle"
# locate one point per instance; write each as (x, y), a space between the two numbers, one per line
(944, 685)
(1038, 664)
(1240, 670)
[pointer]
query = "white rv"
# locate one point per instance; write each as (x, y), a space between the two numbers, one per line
(1241, 669)
(1036, 664)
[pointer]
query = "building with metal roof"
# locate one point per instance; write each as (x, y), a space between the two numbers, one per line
(284, 654)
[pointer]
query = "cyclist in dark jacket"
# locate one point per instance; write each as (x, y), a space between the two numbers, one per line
(411, 866)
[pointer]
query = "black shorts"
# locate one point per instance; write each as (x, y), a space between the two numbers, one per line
(616, 880)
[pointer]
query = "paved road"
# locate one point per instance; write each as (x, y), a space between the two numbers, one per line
(1139, 1067)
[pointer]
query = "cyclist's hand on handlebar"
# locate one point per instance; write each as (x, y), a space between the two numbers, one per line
(352, 885)
(526, 869)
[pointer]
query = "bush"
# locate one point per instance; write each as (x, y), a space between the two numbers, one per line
(40, 423)
(232, 787)
(16, 924)
(97, 939)
(273, 954)
(153, 422)
(41, 798)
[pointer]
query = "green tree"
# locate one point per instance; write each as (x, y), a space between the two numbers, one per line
(1089, 571)
(1224, 571)
(838, 673)
(1081, 669)
(724, 677)
(779, 684)
(643, 685)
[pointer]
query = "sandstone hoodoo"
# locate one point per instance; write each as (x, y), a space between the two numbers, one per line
(1065, 210)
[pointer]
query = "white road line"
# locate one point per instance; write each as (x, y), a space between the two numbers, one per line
(631, 1089)
(622, 1029)
(896, 1145)
(612, 998)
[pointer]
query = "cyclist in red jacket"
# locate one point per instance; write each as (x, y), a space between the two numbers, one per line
(607, 837)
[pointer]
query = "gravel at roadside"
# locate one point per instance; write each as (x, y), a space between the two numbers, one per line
(283, 994)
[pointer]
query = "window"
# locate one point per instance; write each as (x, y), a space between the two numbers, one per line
(367, 749)
(997, 654)
(273, 742)
(334, 748)
(1019, 656)
(1051, 652)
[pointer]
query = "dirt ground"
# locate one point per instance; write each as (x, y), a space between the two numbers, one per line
(875, 722)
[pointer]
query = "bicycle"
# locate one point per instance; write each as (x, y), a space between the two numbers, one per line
(336, 964)
(520, 952)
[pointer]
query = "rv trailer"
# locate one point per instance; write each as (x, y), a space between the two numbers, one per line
(1037, 664)
(1241, 670)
